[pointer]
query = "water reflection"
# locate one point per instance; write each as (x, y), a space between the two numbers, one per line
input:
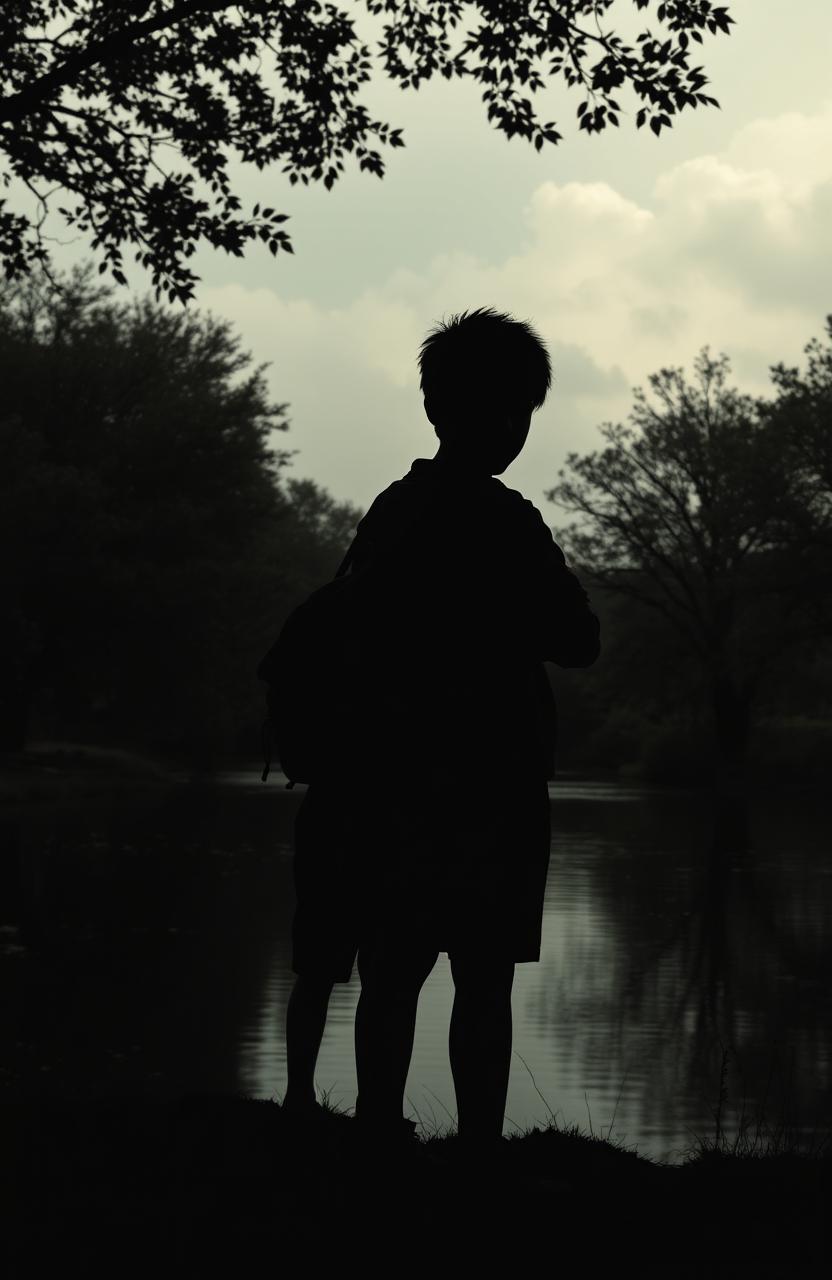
(145, 945)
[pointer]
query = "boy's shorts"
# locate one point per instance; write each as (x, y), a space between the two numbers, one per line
(456, 870)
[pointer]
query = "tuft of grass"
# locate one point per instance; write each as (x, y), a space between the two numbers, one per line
(754, 1136)
(574, 1132)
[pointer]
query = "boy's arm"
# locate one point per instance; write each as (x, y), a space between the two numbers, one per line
(563, 628)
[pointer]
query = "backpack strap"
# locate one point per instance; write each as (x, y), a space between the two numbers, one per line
(398, 534)
(266, 745)
(346, 562)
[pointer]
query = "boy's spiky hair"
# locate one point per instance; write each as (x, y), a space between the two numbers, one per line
(481, 354)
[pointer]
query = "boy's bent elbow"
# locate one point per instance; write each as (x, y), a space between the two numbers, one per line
(586, 659)
(582, 648)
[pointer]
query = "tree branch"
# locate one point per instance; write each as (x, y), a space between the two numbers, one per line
(20, 104)
(629, 533)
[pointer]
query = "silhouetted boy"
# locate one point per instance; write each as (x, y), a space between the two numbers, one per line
(446, 846)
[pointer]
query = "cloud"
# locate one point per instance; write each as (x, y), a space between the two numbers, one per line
(793, 146)
(756, 217)
(732, 252)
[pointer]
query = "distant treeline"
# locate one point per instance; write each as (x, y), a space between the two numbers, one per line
(153, 540)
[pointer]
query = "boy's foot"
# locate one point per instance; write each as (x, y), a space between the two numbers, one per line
(393, 1139)
(299, 1106)
(305, 1115)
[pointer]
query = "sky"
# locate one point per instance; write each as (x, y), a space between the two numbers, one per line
(627, 252)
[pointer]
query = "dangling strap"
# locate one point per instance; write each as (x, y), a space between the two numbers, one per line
(266, 744)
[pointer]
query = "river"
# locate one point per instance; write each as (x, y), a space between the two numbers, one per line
(145, 943)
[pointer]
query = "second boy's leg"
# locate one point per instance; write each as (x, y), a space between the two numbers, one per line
(480, 1045)
(385, 1023)
(305, 1023)
(323, 931)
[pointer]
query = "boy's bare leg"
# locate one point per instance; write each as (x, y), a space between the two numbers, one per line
(305, 1023)
(385, 1024)
(480, 1046)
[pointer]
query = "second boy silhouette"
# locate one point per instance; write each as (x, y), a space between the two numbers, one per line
(446, 847)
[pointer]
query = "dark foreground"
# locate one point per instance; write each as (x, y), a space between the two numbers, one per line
(230, 1186)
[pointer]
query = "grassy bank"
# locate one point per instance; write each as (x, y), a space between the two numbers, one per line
(230, 1184)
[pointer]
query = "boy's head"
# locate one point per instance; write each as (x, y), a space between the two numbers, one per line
(483, 375)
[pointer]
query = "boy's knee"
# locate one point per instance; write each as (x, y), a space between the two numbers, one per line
(313, 986)
(393, 972)
(484, 978)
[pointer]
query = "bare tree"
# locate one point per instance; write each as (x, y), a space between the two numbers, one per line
(685, 512)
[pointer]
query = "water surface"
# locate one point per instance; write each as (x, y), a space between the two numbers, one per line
(146, 946)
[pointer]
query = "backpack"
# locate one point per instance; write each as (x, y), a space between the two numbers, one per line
(331, 677)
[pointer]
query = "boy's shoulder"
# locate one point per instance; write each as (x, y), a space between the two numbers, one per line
(521, 511)
(514, 498)
(425, 475)
(424, 487)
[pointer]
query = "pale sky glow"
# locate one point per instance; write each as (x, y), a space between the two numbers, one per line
(627, 252)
